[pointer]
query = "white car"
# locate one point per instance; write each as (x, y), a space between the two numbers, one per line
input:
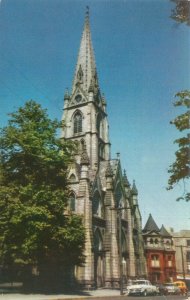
(172, 289)
(141, 287)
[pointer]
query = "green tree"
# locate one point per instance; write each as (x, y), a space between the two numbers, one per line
(34, 229)
(181, 13)
(180, 169)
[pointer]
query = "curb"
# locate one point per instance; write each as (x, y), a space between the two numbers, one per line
(90, 297)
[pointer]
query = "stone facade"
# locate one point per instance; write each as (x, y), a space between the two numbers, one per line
(182, 247)
(101, 192)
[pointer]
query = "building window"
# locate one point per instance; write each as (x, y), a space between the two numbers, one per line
(169, 261)
(97, 205)
(155, 261)
(98, 243)
(167, 244)
(188, 243)
(78, 123)
(188, 256)
(188, 267)
(151, 241)
(72, 202)
(123, 242)
(101, 150)
(156, 243)
(118, 195)
(72, 178)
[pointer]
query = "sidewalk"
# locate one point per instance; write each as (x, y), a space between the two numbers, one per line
(80, 296)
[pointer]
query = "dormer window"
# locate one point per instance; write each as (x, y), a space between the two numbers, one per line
(80, 74)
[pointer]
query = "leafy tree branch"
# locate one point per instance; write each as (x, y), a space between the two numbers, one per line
(180, 169)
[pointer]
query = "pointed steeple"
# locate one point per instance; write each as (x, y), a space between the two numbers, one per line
(125, 180)
(134, 189)
(164, 232)
(85, 74)
(109, 172)
(150, 225)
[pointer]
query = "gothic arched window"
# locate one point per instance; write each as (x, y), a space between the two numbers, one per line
(98, 121)
(72, 178)
(123, 242)
(100, 126)
(97, 205)
(72, 202)
(118, 195)
(78, 122)
(101, 150)
(98, 242)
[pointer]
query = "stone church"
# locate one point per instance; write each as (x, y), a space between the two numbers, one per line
(100, 189)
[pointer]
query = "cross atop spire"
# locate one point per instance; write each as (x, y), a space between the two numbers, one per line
(85, 72)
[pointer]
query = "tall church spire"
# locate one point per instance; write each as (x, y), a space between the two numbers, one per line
(85, 73)
(85, 109)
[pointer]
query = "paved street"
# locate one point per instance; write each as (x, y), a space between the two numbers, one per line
(100, 294)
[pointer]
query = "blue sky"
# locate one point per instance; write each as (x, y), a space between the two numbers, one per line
(142, 59)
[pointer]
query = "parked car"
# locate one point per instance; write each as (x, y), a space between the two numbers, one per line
(172, 289)
(141, 287)
(182, 286)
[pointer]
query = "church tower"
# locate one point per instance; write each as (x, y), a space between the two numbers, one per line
(98, 188)
(85, 108)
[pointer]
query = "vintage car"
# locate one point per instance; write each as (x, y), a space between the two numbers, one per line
(182, 286)
(172, 289)
(141, 287)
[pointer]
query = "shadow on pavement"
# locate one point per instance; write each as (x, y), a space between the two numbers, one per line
(18, 288)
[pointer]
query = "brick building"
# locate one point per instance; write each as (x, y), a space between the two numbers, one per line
(159, 252)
